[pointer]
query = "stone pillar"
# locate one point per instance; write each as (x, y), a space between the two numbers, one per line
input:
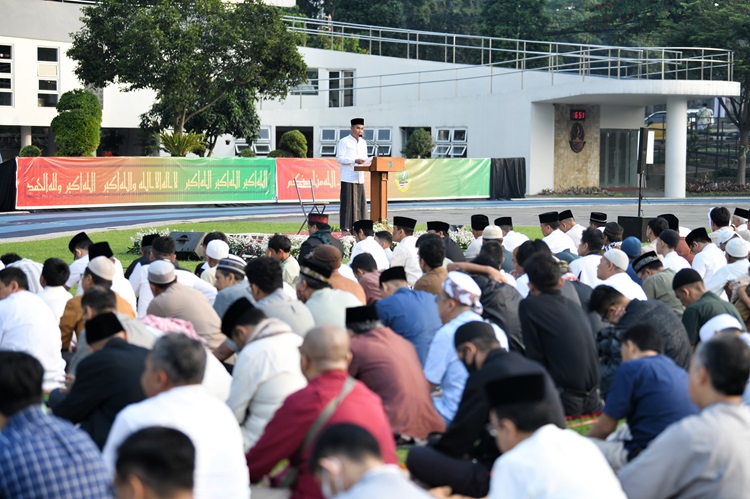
(25, 136)
(676, 151)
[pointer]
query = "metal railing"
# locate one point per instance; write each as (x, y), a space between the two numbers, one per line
(663, 63)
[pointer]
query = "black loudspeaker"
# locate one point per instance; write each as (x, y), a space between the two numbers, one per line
(188, 245)
(634, 226)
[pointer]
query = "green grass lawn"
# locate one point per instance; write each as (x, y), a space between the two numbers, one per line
(119, 240)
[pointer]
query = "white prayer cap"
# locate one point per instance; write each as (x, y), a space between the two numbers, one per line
(726, 235)
(462, 288)
(217, 249)
(161, 272)
(717, 323)
(492, 232)
(684, 231)
(737, 248)
(102, 267)
(618, 258)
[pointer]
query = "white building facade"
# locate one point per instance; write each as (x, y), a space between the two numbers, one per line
(574, 116)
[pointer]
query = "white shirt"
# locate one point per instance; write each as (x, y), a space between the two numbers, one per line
(575, 234)
(184, 277)
(28, 325)
(266, 372)
(585, 269)
(220, 467)
(513, 240)
(727, 273)
(405, 255)
(76, 270)
(554, 464)
(348, 150)
(33, 271)
(473, 250)
(371, 246)
(443, 368)
(708, 261)
(56, 297)
(522, 285)
(674, 261)
(558, 242)
(626, 286)
(120, 285)
(508, 278)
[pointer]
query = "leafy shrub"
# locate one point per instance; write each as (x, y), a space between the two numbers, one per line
(77, 124)
(577, 191)
(181, 144)
(30, 152)
(705, 185)
(294, 142)
(247, 153)
(419, 144)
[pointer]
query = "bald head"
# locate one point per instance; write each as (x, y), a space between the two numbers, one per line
(325, 348)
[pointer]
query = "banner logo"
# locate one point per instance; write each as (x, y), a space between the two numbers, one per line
(403, 181)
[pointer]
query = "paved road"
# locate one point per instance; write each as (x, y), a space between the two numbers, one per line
(46, 224)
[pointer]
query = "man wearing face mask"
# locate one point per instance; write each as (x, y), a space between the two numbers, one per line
(463, 456)
(347, 462)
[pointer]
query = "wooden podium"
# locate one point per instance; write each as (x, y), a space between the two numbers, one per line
(379, 169)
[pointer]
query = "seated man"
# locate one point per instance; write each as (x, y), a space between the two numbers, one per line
(155, 462)
(267, 368)
(388, 365)
(590, 251)
(411, 314)
(290, 433)
(452, 250)
(216, 250)
(622, 314)
(540, 460)
(612, 270)
(231, 283)
(385, 240)
(366, 271)
(346, 461)
(649, 390)
(320, 234)
(462, 457)
(557, 334)
(712, 456)
(279, 248)
(458, 303)
(431, 251)
(41, 456)
(700, 305)
(737, 266)
(265, 276)
(366, 243)
(100, 272)
(28, 325)
(327, 305)
(657, 281)
(55, 273)
(478, 223)
(106, 381)
(342, 276)
(174, 371)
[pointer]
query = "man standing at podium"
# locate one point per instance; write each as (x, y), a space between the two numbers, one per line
(351, 152)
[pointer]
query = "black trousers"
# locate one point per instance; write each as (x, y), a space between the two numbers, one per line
(435, 469)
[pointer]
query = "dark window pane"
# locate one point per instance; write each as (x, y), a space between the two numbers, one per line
(47, 84)
(4, 82)
(6, 99)
(46, 54)
(5, 52)
(5, 67)
(47, 100)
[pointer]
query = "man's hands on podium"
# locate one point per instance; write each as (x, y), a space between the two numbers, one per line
(360, 161)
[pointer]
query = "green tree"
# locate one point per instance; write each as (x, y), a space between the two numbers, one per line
(30, 151)
(419, 144)
(295, 143)
(192, 53)
(525, 19)
(724, 24)
(77, 124)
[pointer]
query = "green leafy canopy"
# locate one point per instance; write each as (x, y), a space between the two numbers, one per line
(192, 53)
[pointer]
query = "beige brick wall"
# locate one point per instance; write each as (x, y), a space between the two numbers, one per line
(576, 169)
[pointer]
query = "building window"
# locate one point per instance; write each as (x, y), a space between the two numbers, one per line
(48, 73)
(450, 143)
(262, 143)
(6, 75)
(341, 88)
(310, 86)
(329, 138)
